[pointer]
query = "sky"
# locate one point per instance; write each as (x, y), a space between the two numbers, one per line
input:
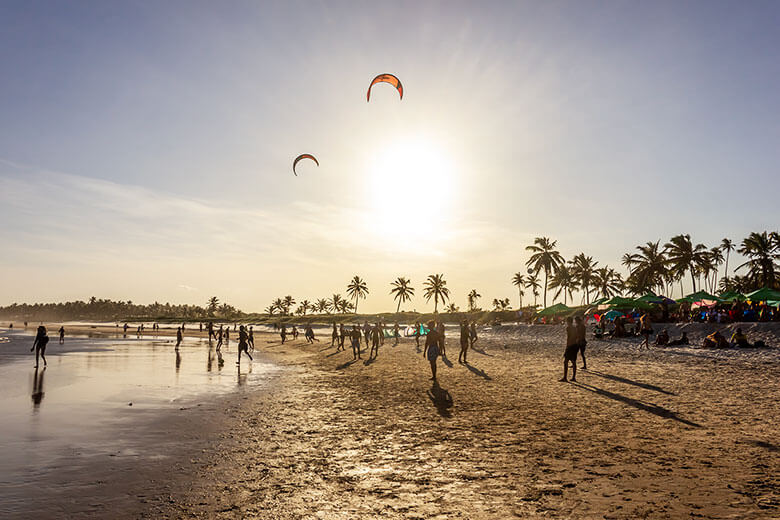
(146, 147)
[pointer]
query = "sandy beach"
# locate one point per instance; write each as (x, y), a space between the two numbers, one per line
(665, 433)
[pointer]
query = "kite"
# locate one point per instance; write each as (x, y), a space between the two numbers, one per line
(304, 156)
(386, 78)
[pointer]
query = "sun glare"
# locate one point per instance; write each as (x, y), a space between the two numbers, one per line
(412, 185)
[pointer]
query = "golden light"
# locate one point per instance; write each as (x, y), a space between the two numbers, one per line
(412, 183)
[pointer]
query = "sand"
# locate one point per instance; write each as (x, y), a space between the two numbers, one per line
(665, 433)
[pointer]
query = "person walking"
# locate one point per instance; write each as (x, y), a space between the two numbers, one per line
(283, 333)
(570, 354)
(579, 325)
(251, 338)
(355, 338)
(342, 334)
(473, 334)
(62, 335)
(396, 333)
(442, 340)
(464, 342)
(431, 350)
(645, 329)
(376, 340)
(219, 339)
(179, 337)
(334, 336)
(39, 345)
(243, 344)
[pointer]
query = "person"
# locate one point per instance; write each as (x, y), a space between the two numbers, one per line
(367, 332)
(201, 326)
(309, 334)
(226, 333)
(579, 325)
(645, 329)
(417, 331)
(251, 338)
(682, 340)
(179, 337)
(210, 328)
(396, 333)
(739, 340)
(62, 334)
(342, 334)
(283, 333)
(243, 344)
(464, 341)
(334, 336)
(39, 345)
(219, 338)
(442, 340)
(662, 338)
(715, 340)
(124, 328)
(431, 350)
(294, 332)
(473, 334)
(572, 349)
(376, 334)
(355, 338)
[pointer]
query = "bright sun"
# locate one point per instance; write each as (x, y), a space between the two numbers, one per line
(412, 183)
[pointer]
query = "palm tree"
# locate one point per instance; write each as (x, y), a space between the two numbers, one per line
(728, 246)
(472, 298)
(582, 269)
(451, 308)
(500, 305)
(532, 282)
(213, 305)
(278, 304)
(401, 291)
(322, 305)
(357, 289)
(649, 270)
(335, 302)
(564, 281)
(715, 258)
(436, 288)
(607, 282)
(304, 307)
(544, 258)
(287, 304)
(763, 250)
(518, 280)
(270, 310)
(683, 256)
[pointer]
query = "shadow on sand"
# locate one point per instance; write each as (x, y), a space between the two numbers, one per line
(477, 371)
(630, 382)
(478, 351)
(446, 361)
(347, 364)
(654, 409)
(441, 399)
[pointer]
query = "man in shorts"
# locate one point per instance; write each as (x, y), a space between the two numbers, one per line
(570, 354)
(243, 344)
(431, 350)
(579, 325)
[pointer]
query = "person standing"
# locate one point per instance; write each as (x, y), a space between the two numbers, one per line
(396, 333)
(342, 333)
(62, 334)
(334, 336)
(219, 338)
(570, 354)
(179, 337)
(442, 340)
(251, 338)
(376, 334)
(283, 333)
(473, 334)
(645, 329)
(39, 345)
(243, 344)
(417, 332)
(355, 337)
(431, 350)
(464, 342)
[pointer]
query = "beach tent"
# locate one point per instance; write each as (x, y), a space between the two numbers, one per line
(554, 310)
(652, 298)
(763, 295)
(699, 296)
(619, 301)
(611, 315)
(774, 303)
(599, 301)
(732, 296)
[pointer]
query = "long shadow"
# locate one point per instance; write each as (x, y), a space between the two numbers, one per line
(480, 373)
(630, 382)
(478, 351)
(441, 399)
(654, 409)
(446, 361)
(335, 353)
(766, 445)
(346, 365)
(369, 361)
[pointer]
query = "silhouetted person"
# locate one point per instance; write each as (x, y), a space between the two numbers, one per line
(39, 345)
(37, 393)
(355, 338)
(442, 341)
(62, 335)
(464, 341)
(334, 336)
(219, 338)
(341, 336)
(431, 350)
(227, 334)
(579, 325)
(251, 338)
(367, 333)
(645, 329)
(283, 333)
(243, 344)
(376, 334)
(473, 334)
(210, 328)
(178, 337)
(417, 332)
(572, 349)
(396, 333)
(309, 334)
(200, 325)
(294, 332)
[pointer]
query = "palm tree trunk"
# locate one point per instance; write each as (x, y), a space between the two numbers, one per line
(726, 274)
(356, 304)
(520, 295)
(545, 288)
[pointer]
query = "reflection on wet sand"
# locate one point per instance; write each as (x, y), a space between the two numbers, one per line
(37, 392)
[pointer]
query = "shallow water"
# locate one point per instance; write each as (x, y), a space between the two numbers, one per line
(78, 408)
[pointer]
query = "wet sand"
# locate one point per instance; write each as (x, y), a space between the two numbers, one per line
(74, 447)
(661, 434)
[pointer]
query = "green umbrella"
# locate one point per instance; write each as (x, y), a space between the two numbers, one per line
(599, 301)
(732, 296)
(763, 295)
(774, 303)
(699, 296)
(619, 301)
(558, 308)
(650, 298)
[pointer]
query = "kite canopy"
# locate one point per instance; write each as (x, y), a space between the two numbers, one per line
(386, 78)
(304, 156)
(764, 294)
(553, 310)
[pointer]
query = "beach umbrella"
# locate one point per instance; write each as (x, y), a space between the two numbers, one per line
(599, 301)
(611, 315)
(732, 296)
(763, 295)
(699, 296)
(616, 301)
(651, 298)
(773, 303)
(553, 310)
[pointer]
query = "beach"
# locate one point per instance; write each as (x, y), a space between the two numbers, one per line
(664, 433)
